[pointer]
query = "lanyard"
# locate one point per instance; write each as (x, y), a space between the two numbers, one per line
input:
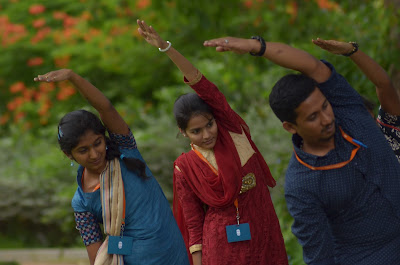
(98, 187)
(341, 164)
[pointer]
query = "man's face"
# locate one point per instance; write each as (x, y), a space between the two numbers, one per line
(315, 121)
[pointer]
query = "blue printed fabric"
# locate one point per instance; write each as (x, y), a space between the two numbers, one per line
(89, 228)
(149, 219)
(350, 215)
(390, 126)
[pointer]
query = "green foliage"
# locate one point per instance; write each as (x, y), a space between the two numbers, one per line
(98, 39)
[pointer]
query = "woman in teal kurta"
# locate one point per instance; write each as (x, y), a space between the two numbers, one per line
(148, 219)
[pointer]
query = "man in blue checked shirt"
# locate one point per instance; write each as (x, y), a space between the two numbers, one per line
(343, 181)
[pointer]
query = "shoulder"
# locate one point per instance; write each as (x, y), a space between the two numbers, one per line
(77, 201)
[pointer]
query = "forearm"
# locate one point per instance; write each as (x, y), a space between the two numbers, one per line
(196, 256)
(296, 59)
(92, 251)
(91, 93)
(109, 115)
(387, 94)
(184, 65)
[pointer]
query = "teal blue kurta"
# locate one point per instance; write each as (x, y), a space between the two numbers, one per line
(149, 219)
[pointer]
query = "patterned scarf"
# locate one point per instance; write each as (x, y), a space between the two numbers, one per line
(113, 209)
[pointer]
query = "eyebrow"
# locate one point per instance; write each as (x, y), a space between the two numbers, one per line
(85, 146)
(210, 120)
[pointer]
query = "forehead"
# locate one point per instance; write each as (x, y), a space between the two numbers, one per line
(88, 138)
(199, 121)
(311, 104)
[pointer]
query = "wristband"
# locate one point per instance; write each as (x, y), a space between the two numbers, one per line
(166, 49)
(263, 46)
(355, 48)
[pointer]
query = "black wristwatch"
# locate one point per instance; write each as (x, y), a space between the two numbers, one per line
(355, 48)
(263, 46)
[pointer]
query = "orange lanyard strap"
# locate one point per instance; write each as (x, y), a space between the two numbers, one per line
(338, 165)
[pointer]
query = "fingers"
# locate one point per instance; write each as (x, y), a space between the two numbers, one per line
(49, 77)
(223, 42)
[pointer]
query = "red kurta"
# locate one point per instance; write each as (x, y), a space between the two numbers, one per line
(207, 227)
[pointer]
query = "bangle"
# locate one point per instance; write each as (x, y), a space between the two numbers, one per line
(263, 46)
(166, 49)
(355, 48)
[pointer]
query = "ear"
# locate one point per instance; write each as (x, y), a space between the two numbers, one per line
(182, 132)
(69, 156)
(290, 127)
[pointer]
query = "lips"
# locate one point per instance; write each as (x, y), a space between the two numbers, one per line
(208, 142)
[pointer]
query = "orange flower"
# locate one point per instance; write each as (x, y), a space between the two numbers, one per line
(37, 9)
(35, 61)
(248, 3)
(4, 118)
(292, 9)
(141, 4)
(62, 62)
(11, 106)
(19, 115)
(17, 87)
(70, 22)
(46, 87)
(66, 91)
(38, 23)
(59, 15)
(40, 35)
(326, 4)
(44, 108)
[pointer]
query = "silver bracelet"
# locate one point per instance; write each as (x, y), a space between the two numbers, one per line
(166, 49)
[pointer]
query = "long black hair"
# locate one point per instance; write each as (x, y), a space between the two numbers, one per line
(77, 123)
(188, 105)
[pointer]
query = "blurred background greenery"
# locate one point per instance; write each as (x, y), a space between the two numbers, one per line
(98, 39)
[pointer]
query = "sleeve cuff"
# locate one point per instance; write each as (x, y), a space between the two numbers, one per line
(195, 248)
(198, 77)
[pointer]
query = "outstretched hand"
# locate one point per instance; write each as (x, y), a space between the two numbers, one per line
(333, 46)
(236, 45)
(54, 76)
(151, 35)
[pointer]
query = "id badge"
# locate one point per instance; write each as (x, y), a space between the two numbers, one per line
(237, 233)
(120, 245)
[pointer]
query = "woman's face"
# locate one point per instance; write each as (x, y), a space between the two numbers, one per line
(91, 152)
(202, 130)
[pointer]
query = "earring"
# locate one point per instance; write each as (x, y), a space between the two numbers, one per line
(72, 163)
(106, 148)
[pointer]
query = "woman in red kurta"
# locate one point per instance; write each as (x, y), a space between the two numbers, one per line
(222, 177)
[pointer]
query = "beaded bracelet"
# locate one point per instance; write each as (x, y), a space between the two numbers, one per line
(263, 46)
(166, 49)
(355, 48)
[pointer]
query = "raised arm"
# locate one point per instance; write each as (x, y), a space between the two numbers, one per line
(154, 39)
(278, 53)
(388, 96)
(109, 115)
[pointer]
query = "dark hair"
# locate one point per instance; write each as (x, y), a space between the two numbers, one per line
(188, 105)
(288, 93)
(77, 123)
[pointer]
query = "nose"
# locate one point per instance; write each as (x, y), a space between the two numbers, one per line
(92, 152)
(326, 118)
(206, 134)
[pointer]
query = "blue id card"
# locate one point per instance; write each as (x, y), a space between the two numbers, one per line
(121, 245)
(237, 233)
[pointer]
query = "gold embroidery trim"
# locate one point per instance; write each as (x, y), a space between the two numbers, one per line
(195, 248)
(198, 77)
(248, 182)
